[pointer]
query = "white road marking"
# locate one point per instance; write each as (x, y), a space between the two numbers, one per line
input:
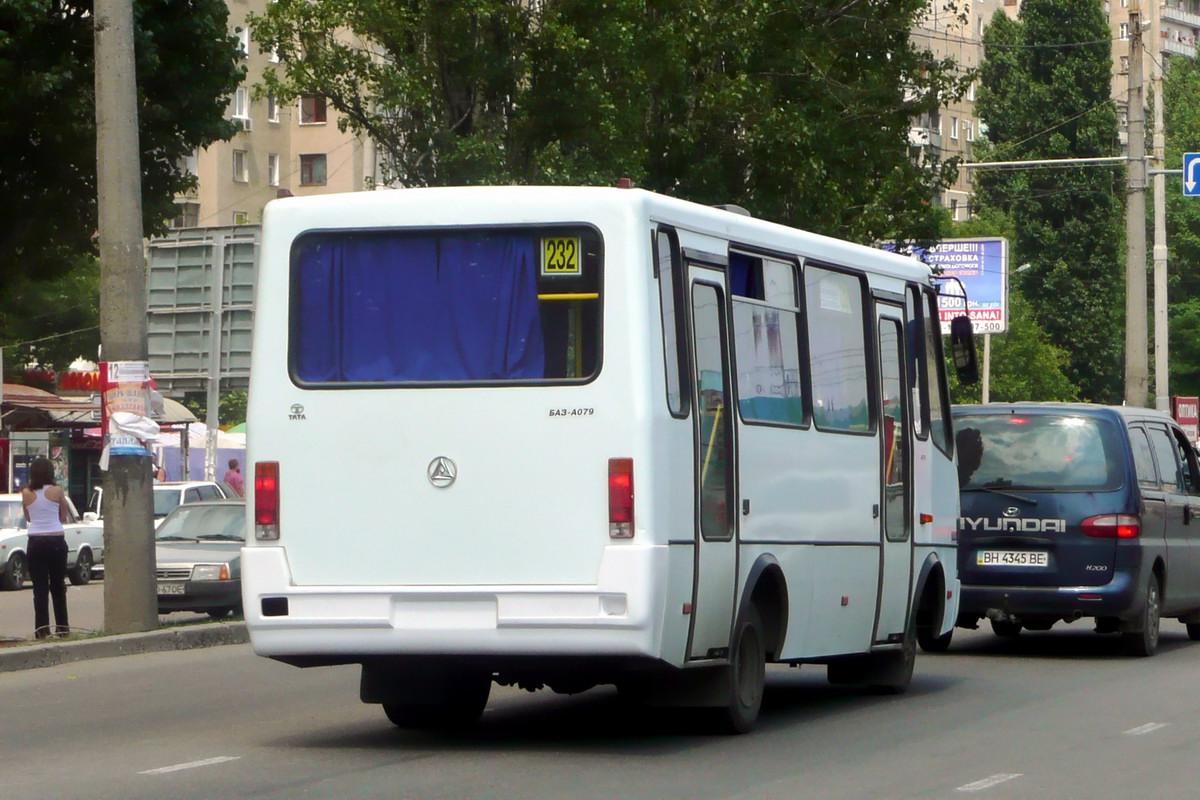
(989, 782)
(1149, 727)
(189, 765)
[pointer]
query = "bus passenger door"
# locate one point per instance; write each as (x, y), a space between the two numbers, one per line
(714, 466)
(895, 567)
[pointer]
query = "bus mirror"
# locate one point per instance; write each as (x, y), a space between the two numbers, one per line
(962, 349)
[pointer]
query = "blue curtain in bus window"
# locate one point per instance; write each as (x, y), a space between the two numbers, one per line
(386, 308)
(744, 277)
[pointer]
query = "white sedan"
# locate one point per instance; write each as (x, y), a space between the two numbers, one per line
(85, 544)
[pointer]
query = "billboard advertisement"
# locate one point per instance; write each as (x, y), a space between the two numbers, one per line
(981, 267)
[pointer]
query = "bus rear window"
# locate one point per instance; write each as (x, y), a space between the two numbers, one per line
(501, 305)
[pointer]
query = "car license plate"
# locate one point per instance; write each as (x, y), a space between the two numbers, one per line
(171, 588)
(1012, 558)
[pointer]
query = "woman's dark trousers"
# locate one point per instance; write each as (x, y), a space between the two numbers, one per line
(48, 570)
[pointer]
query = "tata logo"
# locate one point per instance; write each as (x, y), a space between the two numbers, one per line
(297, 412)
(1012, 525)
(442, 472)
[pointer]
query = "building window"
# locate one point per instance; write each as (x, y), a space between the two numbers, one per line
(272, 109)
(954, 209)
(187, 215)
(312, 170)
(979, 26)
(971, 93)
(1124, 64)
(954, 128)
(312, 110)
(1123, 30)
(243, 36)
(273, 169)
(241, 218)
(190, 164)
(969, 125)
(240, 173)
(241, 103)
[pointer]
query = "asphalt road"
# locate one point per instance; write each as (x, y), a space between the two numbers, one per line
(1050, 715)
(85, 610)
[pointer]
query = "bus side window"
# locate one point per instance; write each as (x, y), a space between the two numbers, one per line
(935, 376)
(917, 382)
(666, 261)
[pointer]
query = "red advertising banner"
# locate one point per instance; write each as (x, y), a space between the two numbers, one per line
(1186, 411)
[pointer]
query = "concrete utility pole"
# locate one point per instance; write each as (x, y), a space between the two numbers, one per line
(130, 601)
(1135, 224)
(1162, 393)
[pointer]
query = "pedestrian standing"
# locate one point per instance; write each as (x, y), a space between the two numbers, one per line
(46, 510)
(233, 477)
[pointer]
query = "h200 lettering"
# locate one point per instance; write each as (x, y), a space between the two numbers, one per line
(572, 412)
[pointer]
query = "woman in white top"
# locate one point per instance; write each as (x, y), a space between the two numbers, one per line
(46, 511)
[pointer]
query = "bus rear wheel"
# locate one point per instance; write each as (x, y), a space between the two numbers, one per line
(746, 675)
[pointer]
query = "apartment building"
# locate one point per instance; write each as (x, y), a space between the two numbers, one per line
(952, 129)
(280, 149)
(1170, 29)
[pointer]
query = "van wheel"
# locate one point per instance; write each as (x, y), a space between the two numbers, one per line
(81, 573)
(1142, 643)
(444, 710)
(931, 643)
(1006, 629)
(1194, 631)
(746, 675)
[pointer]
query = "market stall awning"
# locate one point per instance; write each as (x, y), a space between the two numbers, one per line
(80, 412)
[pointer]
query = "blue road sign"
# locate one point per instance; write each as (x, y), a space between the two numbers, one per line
(1191, 174)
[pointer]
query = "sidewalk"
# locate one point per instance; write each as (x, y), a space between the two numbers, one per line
(189, 637)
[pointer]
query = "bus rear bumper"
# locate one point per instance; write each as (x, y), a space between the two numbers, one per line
(344, 623)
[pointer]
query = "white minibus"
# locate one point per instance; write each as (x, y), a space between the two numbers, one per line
(568, 436)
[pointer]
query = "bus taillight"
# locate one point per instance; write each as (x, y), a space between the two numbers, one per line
(266, 500)
(620, 498)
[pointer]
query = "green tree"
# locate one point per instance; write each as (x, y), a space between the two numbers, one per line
(1045, 93)
(187, 66)
(1182, 120)
(52, 322)
(231, 411)
(796, 109)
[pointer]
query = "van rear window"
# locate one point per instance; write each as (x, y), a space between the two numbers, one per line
(1047, 452)
(499, 305)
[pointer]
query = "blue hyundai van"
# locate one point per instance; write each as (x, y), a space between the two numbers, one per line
(1072, 510)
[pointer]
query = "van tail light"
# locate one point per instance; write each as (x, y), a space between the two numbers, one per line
(266, 500)
(620, 498)
(1112, 526)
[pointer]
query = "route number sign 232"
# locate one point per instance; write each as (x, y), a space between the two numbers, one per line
(560, 255)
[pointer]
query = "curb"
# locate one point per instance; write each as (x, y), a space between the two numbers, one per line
(126, 644)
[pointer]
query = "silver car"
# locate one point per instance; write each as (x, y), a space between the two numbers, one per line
(198, 555)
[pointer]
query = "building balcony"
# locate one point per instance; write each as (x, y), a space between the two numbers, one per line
(925, 137)
(1182, 16)
(1187, 49)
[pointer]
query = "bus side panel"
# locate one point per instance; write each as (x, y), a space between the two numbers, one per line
(936, 493)
(845, 588)
(808, 486)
